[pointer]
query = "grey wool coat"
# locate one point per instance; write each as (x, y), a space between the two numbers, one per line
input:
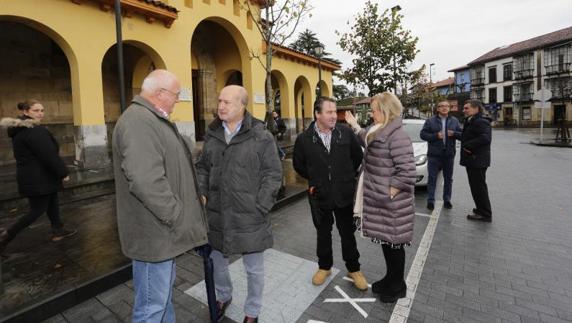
(388, 162)
(159, 214)
(240, 180)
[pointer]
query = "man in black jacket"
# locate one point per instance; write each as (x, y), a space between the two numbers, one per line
(476, 157)
(328, 156)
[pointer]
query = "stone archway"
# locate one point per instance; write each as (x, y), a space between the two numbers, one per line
(282, 102)
(303, 103)
(215, 65)
(139, 60)
(35, 65)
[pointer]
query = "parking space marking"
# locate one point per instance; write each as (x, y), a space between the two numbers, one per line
(352, 301)
(402, 309)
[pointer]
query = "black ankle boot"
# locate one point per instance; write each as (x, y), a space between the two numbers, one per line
(393, 292)
(379, 285)
(4, 239)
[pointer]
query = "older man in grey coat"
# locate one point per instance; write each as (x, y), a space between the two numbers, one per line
(159, 213)
(239, 175)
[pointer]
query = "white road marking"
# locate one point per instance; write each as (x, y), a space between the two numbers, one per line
(313, 321)
(352, 301)
(351, 280)
(403, 307)
(423, 214)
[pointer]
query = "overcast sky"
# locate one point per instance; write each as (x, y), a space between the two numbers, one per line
(451, 33)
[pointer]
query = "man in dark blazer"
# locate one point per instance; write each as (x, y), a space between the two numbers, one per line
(328, 155)
(476, 157)
(441, 132)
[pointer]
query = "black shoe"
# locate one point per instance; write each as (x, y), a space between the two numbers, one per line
(60, 234)
(221, 308)
(248, 319)
(448, 205)
(391, 296)
(379, 285)
(430, 206)
(477, 217)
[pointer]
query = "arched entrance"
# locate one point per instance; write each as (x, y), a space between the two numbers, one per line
(139, 60)
(324, 87)
(214, 65)
(303, 103)
(34, 66)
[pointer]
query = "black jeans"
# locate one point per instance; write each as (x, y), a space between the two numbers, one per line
(38, 205)
(480, 191)
(323, 221)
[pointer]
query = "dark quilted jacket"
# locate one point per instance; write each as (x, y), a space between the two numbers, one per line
(388, 161)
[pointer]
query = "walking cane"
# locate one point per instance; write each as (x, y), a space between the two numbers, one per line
(205, 252)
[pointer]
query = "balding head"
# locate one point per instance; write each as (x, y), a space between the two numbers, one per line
(161, 88)
(232, 103)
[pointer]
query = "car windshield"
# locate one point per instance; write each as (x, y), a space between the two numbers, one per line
(413, 130)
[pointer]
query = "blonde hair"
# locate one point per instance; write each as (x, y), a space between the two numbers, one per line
(388, 104)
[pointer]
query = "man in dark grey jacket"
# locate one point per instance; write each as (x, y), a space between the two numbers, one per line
(441, 132)
(239, 175)
(159, 213)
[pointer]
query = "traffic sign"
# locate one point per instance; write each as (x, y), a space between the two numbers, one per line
(541, 99)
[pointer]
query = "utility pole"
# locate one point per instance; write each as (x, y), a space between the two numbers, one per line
(394, 11)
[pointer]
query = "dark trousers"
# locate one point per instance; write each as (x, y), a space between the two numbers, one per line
(395, 264)
(434, 165)
(323, 221)
(479, 190)
(38, 206)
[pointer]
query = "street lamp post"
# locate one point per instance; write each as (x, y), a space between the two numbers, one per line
(319, 50)
(120, 68)
(394, 11)
(431, 84)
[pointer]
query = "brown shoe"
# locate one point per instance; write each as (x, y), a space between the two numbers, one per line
(320, 277)
(359, 280)
(62, 233)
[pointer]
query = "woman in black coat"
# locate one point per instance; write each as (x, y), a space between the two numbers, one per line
(40, 170)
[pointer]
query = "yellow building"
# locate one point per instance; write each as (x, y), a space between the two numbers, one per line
(63, 53)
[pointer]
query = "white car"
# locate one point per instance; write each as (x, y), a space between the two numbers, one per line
(413, 128)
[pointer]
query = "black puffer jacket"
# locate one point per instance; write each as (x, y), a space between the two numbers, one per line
(476, 142)
(332, 174)
(40, 169)
(240, 180)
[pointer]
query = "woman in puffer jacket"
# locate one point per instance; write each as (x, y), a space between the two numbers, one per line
(40, 170)
(384, 197)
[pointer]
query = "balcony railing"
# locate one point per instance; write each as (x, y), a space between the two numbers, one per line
(522, 97)
(523, 74)
(558, 68)
(561, 93)
(477, 81)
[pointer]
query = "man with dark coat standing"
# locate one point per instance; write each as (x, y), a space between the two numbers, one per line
(239, 176)
(328, 156)
(476, 157)
(441, 132)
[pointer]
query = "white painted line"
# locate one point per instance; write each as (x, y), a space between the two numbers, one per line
(343, 300)
(313, 321)
(403, 307)
(350, 300)
(351, 280)
(423, 214)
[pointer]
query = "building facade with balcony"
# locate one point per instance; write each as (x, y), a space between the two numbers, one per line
(63, 53)
(507, 78)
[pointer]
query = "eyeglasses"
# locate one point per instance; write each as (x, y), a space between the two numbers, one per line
(176, 94)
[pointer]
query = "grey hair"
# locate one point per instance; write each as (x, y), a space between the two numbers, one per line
(156, 80)
(243, 96)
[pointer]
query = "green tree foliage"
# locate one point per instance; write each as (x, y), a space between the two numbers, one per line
(341, 91)
(381, 47)
(276, 21)
(307, 43)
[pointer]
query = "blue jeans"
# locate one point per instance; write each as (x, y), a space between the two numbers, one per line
(434, 165)
(254, 266)
(153, 283)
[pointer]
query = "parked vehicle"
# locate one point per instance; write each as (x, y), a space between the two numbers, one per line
(413, 128)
